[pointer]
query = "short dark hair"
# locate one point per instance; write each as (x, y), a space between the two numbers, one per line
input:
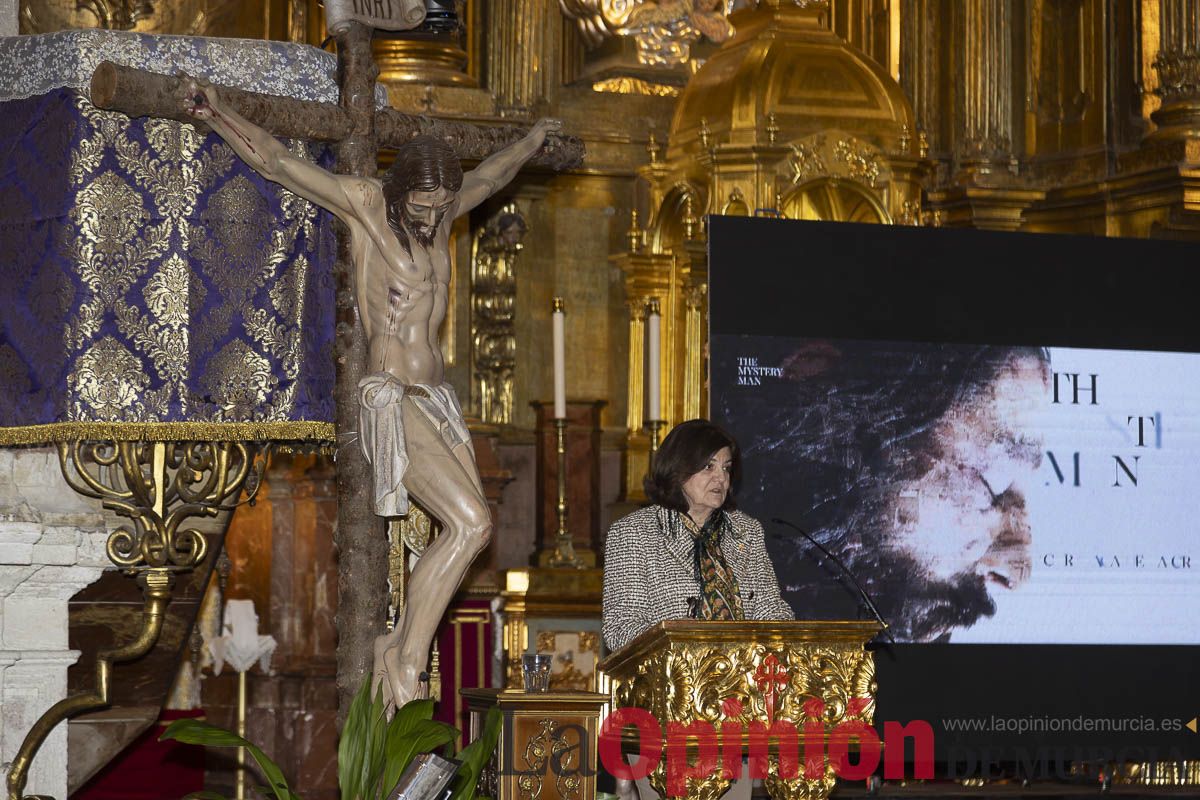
(684, 452)
(422, 164)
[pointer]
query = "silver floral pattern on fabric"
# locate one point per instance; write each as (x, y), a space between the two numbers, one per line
(35, 65)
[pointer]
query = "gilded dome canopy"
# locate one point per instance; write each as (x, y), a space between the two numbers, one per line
(784, 60)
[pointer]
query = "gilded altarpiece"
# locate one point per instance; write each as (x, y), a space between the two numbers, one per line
(822, 131)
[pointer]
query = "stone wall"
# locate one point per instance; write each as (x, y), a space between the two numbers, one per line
(51, 546)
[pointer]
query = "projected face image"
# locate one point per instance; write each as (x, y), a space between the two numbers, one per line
(961, 529)
(908, 461)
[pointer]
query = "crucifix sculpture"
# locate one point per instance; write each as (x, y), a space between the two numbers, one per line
(410, 425)
(392, 274)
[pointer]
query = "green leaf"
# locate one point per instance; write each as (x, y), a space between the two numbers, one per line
(376, 740)
(406, 742)
(362, 751)
(194, 731)
(411, 713)
(350, 747)
(267, 791)
(475, 755)
(204, 795)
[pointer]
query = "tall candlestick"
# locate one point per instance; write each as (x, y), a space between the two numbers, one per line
(560, 359)
(654, 362)
(564, 545)
(240, 786)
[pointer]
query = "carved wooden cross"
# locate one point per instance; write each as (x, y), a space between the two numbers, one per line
(358, 131)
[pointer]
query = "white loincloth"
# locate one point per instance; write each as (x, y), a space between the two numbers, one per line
(381, 432)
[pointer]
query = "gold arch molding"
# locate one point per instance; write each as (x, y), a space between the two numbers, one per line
(681, 209)
(835, 200)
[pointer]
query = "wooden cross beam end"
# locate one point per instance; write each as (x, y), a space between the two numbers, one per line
(140, 93)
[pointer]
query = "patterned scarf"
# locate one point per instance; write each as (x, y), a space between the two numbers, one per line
(719, 594)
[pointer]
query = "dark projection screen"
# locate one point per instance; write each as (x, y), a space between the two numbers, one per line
(999, 434)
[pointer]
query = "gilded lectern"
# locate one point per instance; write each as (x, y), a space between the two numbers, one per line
(733, 674)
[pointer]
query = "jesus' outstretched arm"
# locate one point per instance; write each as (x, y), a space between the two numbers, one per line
(266, 154)
(498, 169)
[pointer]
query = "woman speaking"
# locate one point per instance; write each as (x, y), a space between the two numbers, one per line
(689, 555)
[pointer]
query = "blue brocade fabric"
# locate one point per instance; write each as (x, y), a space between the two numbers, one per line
(148, 276)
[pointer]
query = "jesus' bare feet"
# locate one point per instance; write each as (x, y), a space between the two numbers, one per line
(398, 681)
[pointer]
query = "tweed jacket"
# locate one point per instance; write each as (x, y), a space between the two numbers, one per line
(649, 573)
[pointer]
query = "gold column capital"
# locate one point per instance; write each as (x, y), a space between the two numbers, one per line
(1177, 65)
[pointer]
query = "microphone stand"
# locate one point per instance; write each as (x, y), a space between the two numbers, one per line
(862, 593)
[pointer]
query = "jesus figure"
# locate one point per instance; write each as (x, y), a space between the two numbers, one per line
(411, 427)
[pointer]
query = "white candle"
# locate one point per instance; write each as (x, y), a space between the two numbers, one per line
(560, 360)
(654, 363)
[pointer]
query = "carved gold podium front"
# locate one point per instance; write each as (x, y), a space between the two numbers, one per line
(731, 674)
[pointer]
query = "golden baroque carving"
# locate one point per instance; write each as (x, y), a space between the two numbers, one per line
(910, 213)
(1178, 76)
(663, 30)
(121, 15)
(598, 19)
(568, 676)
(862, 162)
(550, 741)
(494, 254)
(603, 19)
(806, 162)
(410, 533)
(628, 85)
(822, 156)
(416, 529)
(736, 205)
(985, 148)
(753, 682)
(179, 17)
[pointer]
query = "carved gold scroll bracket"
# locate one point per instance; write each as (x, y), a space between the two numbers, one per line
(158, 486)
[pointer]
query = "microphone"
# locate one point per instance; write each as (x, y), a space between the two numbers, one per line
(862, 593)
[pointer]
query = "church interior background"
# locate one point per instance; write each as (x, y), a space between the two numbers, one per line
(1064, 116)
